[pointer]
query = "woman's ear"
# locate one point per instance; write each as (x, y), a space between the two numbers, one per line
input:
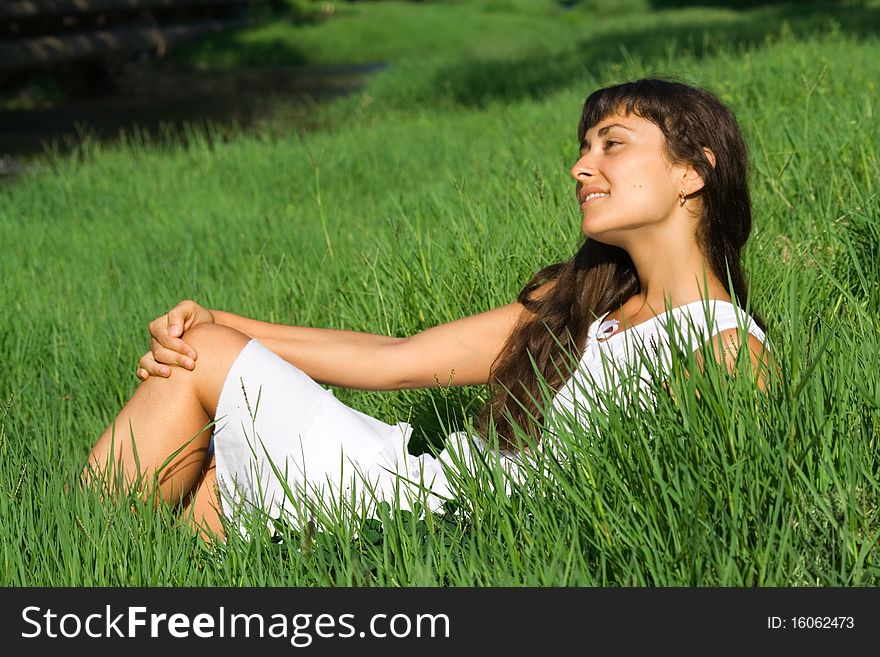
(709, 156)
(693, 181)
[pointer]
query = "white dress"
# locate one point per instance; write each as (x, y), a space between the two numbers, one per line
(281, 438)
(644, 350)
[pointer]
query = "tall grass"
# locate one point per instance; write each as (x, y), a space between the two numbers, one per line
(422, 202)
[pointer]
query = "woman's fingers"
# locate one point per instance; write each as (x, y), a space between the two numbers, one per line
(165, 356)
(175, 345)
(149, 367)
(166, 332)
(159, 331)
(177, 317)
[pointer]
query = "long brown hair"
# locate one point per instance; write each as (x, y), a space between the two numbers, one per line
(601, 277)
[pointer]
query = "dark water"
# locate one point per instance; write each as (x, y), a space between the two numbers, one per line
(157, 101)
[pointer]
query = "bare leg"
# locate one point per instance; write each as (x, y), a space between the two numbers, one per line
(204, 504)
(166, 415)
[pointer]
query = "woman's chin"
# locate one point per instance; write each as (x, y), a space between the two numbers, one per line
(594, 231)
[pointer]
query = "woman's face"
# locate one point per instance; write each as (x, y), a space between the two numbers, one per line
(625, 181)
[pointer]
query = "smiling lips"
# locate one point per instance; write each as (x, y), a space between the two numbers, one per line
(592, 196)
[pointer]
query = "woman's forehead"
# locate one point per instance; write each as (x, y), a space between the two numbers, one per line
(622, 119)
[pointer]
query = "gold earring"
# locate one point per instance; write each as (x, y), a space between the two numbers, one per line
(681, 198)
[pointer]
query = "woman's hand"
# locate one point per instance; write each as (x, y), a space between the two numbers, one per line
(166, 340)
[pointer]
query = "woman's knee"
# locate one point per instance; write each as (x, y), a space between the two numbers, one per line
(216, 347)
(214, 337)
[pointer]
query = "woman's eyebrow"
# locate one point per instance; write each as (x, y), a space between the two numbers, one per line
(608, 127)
(585, 143)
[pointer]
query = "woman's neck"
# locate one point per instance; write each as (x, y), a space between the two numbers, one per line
(671, 272)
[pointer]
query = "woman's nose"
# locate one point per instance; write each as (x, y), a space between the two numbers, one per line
(581, 170)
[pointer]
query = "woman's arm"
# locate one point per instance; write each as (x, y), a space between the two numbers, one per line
(453, 354)
(456, 353)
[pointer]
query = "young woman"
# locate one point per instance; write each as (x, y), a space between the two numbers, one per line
(661, 182)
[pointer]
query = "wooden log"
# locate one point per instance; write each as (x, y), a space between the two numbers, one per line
(30, 9)
(48, 51)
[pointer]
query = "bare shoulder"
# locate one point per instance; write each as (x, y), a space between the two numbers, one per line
(726, 345)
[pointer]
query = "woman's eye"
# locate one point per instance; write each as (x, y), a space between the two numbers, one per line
(608, 143)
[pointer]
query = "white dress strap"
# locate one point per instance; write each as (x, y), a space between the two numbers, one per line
(723, 316)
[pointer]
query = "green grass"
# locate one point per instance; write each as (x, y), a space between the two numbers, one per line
(433, 194)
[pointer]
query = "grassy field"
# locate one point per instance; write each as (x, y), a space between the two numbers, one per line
(432, 194)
